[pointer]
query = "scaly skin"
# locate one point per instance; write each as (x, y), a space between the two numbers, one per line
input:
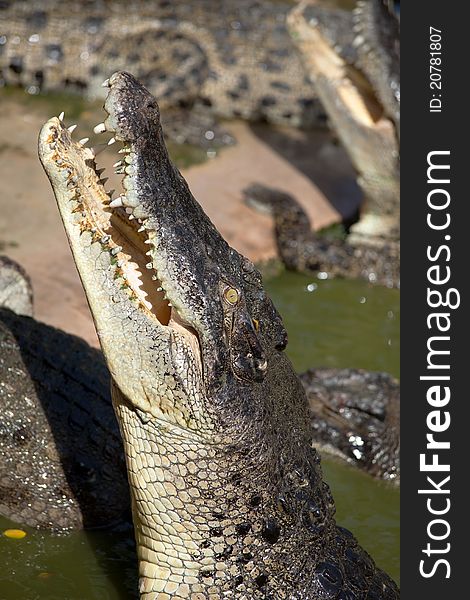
(301, 249)
(378, 47)
(356, 415)
(54, 399)
(234, 59)
(61, 459)
(226, 490)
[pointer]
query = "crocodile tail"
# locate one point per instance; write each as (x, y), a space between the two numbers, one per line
(16, 292)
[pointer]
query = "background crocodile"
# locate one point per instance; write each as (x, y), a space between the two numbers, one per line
(233, 59)
(61, 459)
(362, 100)
(226, 490)
(356, 414)
(62, 464)
(301, 249)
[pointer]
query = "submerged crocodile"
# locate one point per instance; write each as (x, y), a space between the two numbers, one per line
(233, 59)
(227, 492)
(301, 249)
(356, 415)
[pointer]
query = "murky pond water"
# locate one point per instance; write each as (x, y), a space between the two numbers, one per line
(332, 323)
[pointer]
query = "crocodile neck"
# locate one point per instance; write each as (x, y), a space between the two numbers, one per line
(167, 516)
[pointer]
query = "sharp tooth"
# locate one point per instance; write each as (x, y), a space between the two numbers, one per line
(100, 128)
(141, 229)
(117, 164)
(105, 83)
(61, 116)
(117, 202)
(131, 217)
(132, 202)
(104, 180)
(83, 141)
(148, 242)
(111, 141)
(124, 150)
(72, 128)
(99, 172)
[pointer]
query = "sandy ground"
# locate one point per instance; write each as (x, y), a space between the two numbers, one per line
(31, 231)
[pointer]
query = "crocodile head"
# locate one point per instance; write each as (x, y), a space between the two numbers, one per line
(226, 490)
(156, 272)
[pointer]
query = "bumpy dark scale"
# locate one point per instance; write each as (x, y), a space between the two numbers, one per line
(357, 413)
(301, 249)
(37, 19)
(61, 458)
(245, 43)
(16, 65)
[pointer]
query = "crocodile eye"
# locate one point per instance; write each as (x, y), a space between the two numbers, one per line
(255, 324)
(231, 295)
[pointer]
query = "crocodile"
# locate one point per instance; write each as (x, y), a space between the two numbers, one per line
(302, 249)
(378, 43)
(227, 492)
(362, 101)
(355, 414)
(62, 463)
(230, 59)
(61, 458)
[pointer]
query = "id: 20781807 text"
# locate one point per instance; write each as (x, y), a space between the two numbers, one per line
(435, 69)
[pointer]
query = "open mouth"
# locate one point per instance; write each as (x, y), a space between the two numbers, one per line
(117, 222)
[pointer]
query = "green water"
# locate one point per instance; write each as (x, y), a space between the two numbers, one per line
(337, 323)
